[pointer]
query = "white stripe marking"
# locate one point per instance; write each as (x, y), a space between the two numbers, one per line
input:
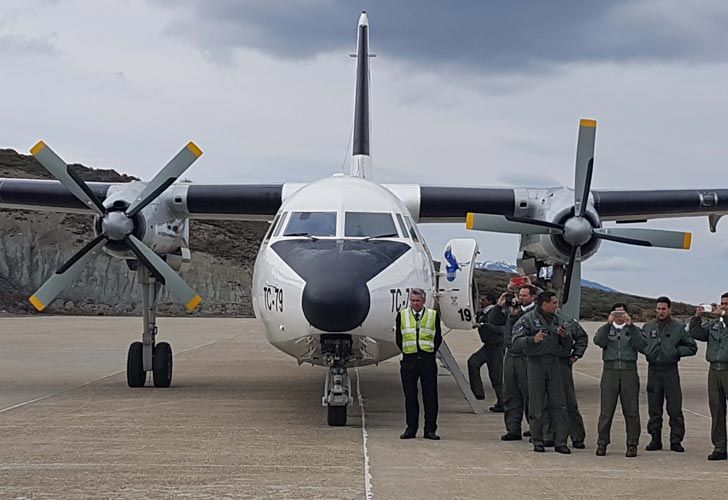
(100, 378)
(364, 436)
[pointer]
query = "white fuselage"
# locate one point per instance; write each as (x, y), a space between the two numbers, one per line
(338, 282)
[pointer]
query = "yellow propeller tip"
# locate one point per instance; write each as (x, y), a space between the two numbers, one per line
(687, 241)
(195, 150)
(469, 220)
(192, 304)
(585, 122)
(37, 148)
(36, 303)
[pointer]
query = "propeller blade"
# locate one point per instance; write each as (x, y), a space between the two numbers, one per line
(584, 165)
(165, 177)
(61, 171)
(67, 273)
(163, 273)
(571, 299)
(508, 224)
(646, 237)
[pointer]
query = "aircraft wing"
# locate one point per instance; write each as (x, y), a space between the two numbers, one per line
(452, 204)
(196, 201)
(427, 203)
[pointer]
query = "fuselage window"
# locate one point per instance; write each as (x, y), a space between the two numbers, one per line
(270, 229)
(402, 227)
(412, 231)
(311, 224)
(371, 224)
(279, 225)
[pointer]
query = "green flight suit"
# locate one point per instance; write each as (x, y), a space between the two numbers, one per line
(667, 342)
(515, 371)
(619, 380)
(576, 348)
(715, 333)
(545, 385)
(489, 354)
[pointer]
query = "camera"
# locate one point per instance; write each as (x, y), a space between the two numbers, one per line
(512, 300)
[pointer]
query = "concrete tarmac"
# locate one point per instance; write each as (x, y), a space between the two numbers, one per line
(243, 420)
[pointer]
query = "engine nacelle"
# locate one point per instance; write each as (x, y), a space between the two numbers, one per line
(556, 205)
(156, 225)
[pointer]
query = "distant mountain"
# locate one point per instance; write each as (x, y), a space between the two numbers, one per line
(505, 267)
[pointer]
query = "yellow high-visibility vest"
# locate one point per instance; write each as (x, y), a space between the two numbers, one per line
(414, 332)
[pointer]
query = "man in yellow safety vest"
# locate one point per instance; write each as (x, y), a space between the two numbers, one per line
(418, 336)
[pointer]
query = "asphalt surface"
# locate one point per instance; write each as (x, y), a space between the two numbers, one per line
(243, 420)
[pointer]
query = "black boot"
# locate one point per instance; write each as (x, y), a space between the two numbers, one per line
(655, 444)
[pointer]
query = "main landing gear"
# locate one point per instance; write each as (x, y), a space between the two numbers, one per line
(147, 355)
(337, 388)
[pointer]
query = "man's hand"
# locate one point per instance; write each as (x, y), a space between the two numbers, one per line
(502, 300)
(610, 319)
(563, 331)
(540, 335)
(627, 320)
(573, 359)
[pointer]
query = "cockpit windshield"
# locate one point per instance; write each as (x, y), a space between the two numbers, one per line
(311, 224)
(369, 224)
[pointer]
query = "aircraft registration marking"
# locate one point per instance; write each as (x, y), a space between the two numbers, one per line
(273, 298)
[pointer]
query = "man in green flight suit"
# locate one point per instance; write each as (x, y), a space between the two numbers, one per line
(515, 370)
(541, 334)
(715, 333)
(621, 341)
(667, 342)
(571, 352)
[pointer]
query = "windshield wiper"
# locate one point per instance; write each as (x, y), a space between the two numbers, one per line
(389, 235)
(307, 235)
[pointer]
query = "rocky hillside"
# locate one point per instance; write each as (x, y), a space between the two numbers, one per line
(34, 244)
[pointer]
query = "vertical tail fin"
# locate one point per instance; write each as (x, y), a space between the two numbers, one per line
(361, 161)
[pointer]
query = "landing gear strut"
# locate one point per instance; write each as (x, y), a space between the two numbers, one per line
(337, 388)
(147, 355)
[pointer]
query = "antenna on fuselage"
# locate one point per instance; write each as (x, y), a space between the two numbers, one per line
(361, 161)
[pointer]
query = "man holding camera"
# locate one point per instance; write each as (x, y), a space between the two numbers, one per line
(509, 309)
(489, 354)
(541, 334)
(667, 342)
(620, 341)
(715, 333)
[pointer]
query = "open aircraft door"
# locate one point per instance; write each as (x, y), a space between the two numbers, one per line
(455, 284)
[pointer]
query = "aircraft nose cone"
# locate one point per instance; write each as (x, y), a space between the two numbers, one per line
(337, 302)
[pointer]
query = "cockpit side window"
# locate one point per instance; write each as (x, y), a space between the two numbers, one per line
(311, 224)
(412, 231)
(279, 225)
(402, 227)
(369, 224)
(270, 228)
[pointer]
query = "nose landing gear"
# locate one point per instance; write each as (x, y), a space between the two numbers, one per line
(337, 388)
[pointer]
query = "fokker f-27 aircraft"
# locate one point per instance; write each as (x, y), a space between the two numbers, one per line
(342, 253)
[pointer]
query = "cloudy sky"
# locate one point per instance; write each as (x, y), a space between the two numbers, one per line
(464, 93)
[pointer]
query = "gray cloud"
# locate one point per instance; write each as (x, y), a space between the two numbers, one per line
(490, 37)
(23, 44)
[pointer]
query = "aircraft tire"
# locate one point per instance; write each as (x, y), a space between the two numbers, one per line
(162, 367)
(135, 374)
(336, 416)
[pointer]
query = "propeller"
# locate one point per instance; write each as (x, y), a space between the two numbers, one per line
(116, 227)
(578, 229)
